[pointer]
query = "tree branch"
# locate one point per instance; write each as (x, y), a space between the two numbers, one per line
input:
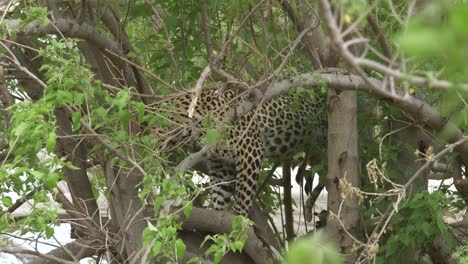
(80, 248)
(220, 222)
(71, 29)
(379, 33)
(287, 201)
(47, 257)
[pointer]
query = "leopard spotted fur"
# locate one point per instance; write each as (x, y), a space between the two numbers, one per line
(277, 128)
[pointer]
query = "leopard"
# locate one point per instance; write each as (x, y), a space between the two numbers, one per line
(276, 129)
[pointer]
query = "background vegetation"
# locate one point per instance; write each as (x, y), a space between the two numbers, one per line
(80, 82)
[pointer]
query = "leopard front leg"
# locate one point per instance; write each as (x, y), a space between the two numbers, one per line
(249, 155)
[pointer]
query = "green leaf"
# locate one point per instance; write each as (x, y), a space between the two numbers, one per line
(313, 249)
(391, 246)
(52, 179)
(212, 136)
(212, 248)
(157, 247)
(49, 232)
(440, 225)
(238, 245)
(218, 256)
(207, 121)
(124, 116)
(194, 260)
(404, 237)
(151, 227)
(79, 98)
(180, 248)
(76, 117)
(6, 200)
(35, 13)
(38, 174)
(101, 112)
(50, 145)
(140, 107)
(157, 203)
(422, 41)
(236, 222)
(19, 129)
(170, 22)
(188, 209)
(71, 166)
(427, 229)
(121, 100)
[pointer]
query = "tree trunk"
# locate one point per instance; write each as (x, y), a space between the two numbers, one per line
(342, 165)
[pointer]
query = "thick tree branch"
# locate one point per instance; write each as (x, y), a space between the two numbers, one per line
(416, 80)
(110, 19)
(220, 222)
(71, 29)
(67, 28)
(439, 252)
(81, 248)
(418, 109)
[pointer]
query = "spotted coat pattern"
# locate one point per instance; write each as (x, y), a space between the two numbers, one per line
(277, 128)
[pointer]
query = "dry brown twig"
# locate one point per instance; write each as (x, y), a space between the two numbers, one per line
(213, 66)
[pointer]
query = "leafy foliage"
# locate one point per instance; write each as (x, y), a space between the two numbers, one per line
(167, 38)
(418, 222)
(313, 250)
(229, 242)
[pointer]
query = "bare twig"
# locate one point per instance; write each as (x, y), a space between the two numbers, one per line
(107, 145)
(287, 201)
(206, 29)
(214, 63)
(392, 209)
(416, 80)
(197, 90)
(387, 50)
(355, 62)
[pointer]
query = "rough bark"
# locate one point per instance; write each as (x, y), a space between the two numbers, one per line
(79, 249)
(126, 210)
(76, 152)
(342, 165)
(439, 252)
(220, 222)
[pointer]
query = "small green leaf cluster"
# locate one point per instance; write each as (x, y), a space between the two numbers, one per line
(213, 131)
(41, 219)
(234, 241)
(461, 254)
(314, 249)
(418, 221)
(162, 240)
(29, 129)
(35, 14)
